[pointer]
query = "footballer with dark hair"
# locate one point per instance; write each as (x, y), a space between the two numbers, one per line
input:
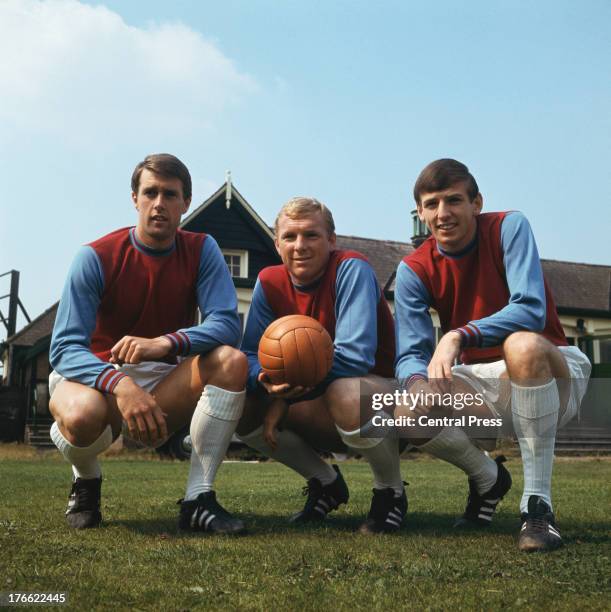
(482, 274)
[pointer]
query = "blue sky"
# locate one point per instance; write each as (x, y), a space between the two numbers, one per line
(346, 101)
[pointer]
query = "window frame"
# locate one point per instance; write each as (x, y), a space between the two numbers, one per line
(243, 256)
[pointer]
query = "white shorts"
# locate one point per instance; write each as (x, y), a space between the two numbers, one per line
(486, 379)
(147, 375)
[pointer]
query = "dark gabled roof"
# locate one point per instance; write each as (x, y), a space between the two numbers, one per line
(251, 216)
(383, 255)
(579, 286)
(40, 327)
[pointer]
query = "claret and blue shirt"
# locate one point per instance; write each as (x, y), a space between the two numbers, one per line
(489, 290)
(118, 286)
(346, 300)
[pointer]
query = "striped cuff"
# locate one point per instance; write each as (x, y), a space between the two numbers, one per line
(470, 336)
(181, 345)
(108, 380)
(408, 382)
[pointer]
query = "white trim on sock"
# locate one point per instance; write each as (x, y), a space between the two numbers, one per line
(222, 403)
(353, 439)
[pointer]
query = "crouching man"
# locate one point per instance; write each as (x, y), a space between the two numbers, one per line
(482, 274)
(339, 289)
(128, 355)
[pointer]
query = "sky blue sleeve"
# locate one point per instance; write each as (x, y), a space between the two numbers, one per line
(218, 304)
(415, 334)
(527, 305)
(356, 314)
(260, 315)
(70, 354)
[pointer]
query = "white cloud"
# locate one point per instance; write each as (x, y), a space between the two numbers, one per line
(82, 72)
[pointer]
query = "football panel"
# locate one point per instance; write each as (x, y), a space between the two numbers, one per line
(269, 362)
(276, 377)
(270, 347)
(291, 359)
(308, 357)
(320, 346)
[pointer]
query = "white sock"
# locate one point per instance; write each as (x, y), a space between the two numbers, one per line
(84, 459)
(382, 454)
(292, 451)
(453, 445)
(195, 480)
(213, 423)
(535, 417)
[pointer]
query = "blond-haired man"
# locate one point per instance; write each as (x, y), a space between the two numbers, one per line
(340, 290)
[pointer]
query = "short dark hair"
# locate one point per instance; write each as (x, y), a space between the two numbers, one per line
(167, 166)
(442, 174)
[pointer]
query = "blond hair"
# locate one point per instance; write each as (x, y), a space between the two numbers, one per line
(301, 206)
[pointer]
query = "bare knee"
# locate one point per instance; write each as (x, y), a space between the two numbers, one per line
(527, 356)
(342, 398)
(225, 367)
(80, 418)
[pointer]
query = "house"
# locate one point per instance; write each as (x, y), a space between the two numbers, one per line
(24, 392)
(582, 293)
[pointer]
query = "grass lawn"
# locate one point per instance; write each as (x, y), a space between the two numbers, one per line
(139, 561)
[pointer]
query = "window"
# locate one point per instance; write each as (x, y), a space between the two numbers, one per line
(604, 350)
(237, 262)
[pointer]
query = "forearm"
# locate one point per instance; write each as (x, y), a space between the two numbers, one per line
(220, 328)
(79, 364)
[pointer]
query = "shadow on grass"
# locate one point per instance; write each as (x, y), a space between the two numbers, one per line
(154, 527)
(574, 531)
(417, 524)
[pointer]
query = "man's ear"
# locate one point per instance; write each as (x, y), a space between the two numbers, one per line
(478, 202)
(333, 239)
(135, 199)
(187, 204)
(420, 212)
